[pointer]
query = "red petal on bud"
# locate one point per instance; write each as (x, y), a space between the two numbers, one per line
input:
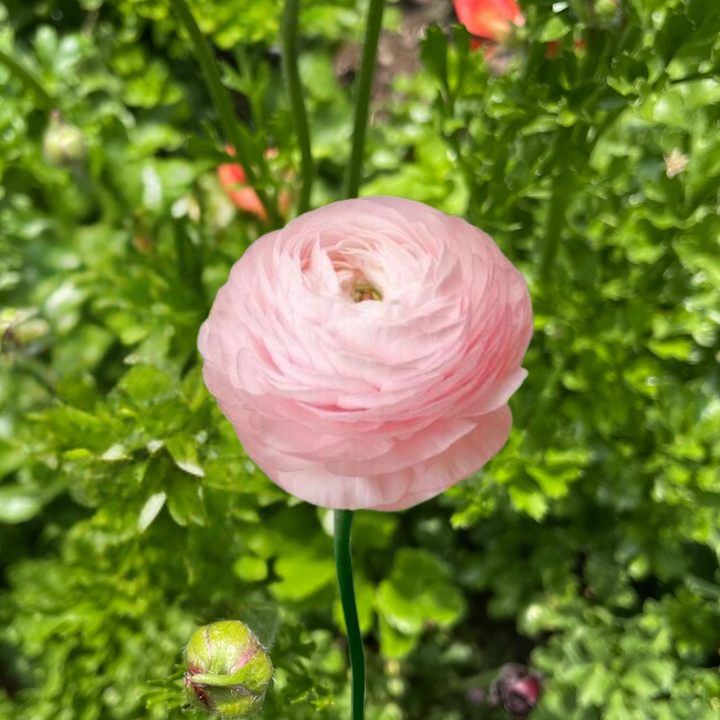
(529, 689)
(243, 660)
(199, 692)
(489, 18)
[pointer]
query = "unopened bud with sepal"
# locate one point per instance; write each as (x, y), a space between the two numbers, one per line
(228, 670)
(63, 144)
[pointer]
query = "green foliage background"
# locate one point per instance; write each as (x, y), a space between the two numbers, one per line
(128, 513)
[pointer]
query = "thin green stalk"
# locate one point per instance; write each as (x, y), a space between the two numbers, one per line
(555, 222)
(28, 79)
(246, 72)
(362, 97)
(343, 562)
(289, 42)
(553, 226)
(221, 98)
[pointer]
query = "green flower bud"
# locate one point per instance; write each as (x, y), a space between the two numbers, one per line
(228, 670)
(63, 144)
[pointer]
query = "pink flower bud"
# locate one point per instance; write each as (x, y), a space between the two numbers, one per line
(228, 670)
(516, 690)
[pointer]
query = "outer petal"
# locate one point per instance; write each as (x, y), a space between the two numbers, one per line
(397, 491)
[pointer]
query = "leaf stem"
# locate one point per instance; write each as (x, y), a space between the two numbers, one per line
(27, 78)
(343, 562)
(362, 97)
(289, 43)
(221, 99)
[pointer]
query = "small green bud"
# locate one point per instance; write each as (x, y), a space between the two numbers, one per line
(228, 670)
(63, 144)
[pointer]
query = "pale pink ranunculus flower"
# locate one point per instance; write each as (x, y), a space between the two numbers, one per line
(365, 353)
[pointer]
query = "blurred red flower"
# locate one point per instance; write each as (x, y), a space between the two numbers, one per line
(492, 19)
(554, 46)
(234, 183)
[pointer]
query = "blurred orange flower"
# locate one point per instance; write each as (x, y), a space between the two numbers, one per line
(234, 183)
(492, 19)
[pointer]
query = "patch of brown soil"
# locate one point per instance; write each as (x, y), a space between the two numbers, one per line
(398, 52)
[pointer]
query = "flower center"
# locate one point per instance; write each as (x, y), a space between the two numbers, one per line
(363, 291)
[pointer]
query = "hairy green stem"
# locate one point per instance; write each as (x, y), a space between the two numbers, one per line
(343, 562)
(289, 43)
(28, 79)
(362, 97)
(222, 101)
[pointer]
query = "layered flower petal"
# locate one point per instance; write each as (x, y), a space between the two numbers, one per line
(366, 352)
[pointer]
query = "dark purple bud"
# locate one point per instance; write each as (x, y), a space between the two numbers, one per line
(516, 690)
(522, 696)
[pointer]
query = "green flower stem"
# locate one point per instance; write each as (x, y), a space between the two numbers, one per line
(289, 43)
(28, 79)
(343, 562)
(553, 227)
(557, 208)
(221, 98)
(362, 97)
